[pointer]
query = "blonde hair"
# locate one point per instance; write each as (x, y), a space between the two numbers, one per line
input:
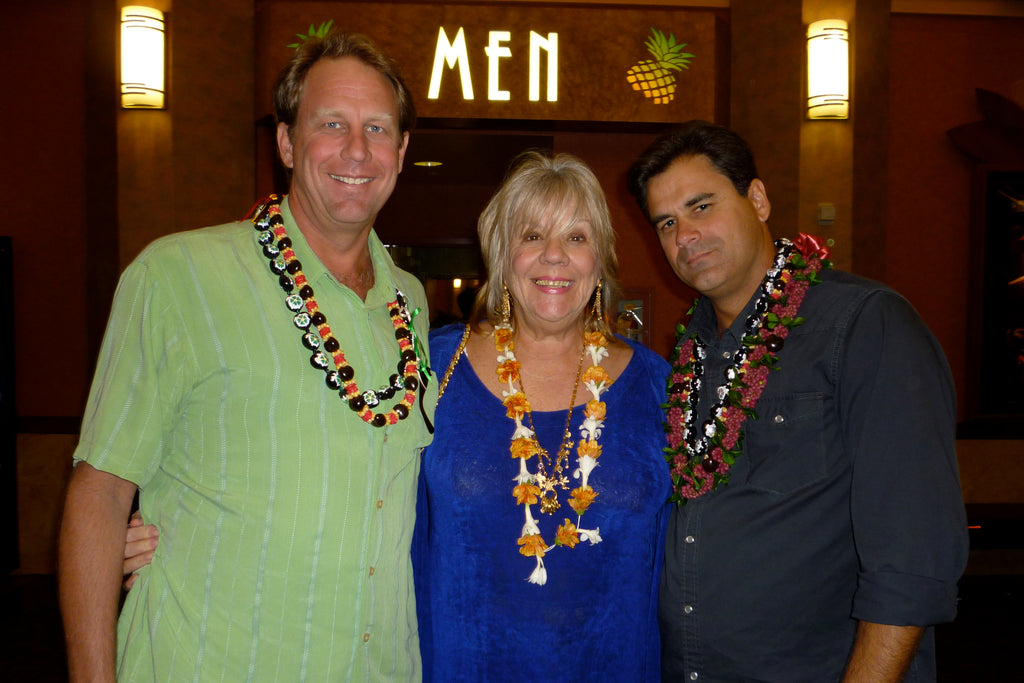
(539, 186)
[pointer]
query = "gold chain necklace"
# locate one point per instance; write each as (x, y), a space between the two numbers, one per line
(549, 498)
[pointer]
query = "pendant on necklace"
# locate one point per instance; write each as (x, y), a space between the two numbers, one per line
(548, 488)
(549, 503)
(548, 496)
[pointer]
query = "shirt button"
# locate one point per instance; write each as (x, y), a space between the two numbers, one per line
(689, 539)
(366, 637)
(727, 354)
(694, 675)
(778, 419)
(380, 504)
(688, 609)
(371, 571)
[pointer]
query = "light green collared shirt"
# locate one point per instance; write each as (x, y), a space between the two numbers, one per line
(285, 520)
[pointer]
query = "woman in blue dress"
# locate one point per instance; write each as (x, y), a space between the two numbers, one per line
(541, 506)
(541, 509)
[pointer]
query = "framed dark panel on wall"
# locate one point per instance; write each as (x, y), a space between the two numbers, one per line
(995, 387)
(8, 462)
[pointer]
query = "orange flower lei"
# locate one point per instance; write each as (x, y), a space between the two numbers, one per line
(524, 446)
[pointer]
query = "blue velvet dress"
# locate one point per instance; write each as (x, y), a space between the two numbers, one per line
(596, 617)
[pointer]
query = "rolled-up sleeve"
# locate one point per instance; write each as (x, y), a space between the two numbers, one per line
(907, 510)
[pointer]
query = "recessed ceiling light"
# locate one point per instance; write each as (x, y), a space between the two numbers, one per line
(427, 164)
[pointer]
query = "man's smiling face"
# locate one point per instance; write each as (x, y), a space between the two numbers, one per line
(345, 148)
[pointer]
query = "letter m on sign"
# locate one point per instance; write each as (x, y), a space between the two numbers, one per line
(453, 55)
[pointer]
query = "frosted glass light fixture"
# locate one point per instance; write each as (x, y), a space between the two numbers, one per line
(828, 70)
(142, 58)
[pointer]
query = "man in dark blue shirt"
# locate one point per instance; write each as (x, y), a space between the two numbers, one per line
(821, 529)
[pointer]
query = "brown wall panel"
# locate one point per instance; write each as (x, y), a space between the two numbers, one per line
(936, 65)
(45, 177)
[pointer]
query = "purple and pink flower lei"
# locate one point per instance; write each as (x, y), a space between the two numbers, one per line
(700, 456)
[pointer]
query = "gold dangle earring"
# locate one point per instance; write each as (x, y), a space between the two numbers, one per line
(506, 306)
(598, 306)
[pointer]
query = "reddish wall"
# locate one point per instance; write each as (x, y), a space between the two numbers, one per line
(936, 64)
(44, 116)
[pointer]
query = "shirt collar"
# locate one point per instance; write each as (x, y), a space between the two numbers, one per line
(705, 323)
(383, 290)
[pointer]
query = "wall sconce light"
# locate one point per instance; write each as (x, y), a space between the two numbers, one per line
(828, 70)
(142, 58)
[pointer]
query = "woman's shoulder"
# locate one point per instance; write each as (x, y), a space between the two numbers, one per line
(651, 361)
(447, 332)
(444, 340)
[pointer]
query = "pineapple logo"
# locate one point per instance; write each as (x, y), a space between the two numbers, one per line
(653, 77)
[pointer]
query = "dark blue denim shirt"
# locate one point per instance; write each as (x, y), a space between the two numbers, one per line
(845, 504)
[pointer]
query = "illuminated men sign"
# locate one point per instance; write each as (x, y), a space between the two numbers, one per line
(539, 61)
(455, 56)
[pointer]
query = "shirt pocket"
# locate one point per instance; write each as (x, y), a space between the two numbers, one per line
(785, 445)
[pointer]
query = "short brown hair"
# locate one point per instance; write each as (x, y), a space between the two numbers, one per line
(723, 148)
(335, 45)
(539, 183)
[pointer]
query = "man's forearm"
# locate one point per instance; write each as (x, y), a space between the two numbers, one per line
(882, 653)
(89, 569)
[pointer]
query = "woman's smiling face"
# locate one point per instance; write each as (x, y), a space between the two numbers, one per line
(553, 272)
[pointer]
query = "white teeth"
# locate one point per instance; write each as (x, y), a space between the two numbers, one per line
(349, 181)
(552, 283)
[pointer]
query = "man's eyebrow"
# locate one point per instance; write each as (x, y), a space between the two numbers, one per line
(699, 198)
(659, 218)
(693, 201)
(328, 112)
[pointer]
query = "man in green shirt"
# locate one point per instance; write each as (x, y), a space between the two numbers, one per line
(262, 390)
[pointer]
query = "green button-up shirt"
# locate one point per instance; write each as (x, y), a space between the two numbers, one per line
(285, 520)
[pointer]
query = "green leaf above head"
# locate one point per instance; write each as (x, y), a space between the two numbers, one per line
(314, 32)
